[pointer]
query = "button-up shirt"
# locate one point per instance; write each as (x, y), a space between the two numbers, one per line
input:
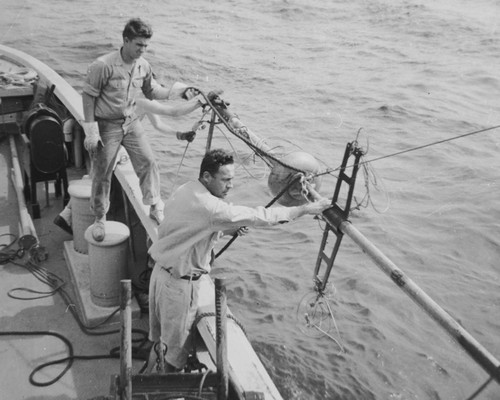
(194, 221)
(114, 85)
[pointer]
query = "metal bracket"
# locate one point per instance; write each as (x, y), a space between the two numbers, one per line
(336, 215)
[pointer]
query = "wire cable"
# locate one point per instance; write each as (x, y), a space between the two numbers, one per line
(295, 179)
(480, 389)
(58, 286)
(329, 171)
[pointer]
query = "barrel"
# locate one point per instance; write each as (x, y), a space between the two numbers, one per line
(81, 215)
(108, 263)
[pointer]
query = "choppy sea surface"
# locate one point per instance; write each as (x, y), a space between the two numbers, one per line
(312, 76)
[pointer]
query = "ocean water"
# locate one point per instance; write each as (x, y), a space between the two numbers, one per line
(313, 76)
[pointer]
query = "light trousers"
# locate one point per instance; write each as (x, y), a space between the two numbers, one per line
(132, 136)
(173, 304)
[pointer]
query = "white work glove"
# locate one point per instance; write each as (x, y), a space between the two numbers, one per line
(92, 137)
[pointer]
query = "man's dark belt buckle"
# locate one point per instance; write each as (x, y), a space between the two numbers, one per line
(113, 120)
(191, 277)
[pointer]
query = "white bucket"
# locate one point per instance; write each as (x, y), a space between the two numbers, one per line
(108, 263)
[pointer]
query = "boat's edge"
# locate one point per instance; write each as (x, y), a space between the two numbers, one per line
(71, 99)
(246, 371)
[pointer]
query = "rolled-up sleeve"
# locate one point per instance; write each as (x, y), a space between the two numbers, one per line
(96, 76)
(151, 89)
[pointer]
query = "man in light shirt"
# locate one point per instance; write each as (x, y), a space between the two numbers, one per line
(113, 83)
(196, 216)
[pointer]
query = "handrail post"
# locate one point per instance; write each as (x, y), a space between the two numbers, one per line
(221, 338)
(27, 226)
(210, 132)
(126, 340)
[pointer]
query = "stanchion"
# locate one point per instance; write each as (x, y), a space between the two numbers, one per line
(221, 339)
(126, 340)
(27, 226)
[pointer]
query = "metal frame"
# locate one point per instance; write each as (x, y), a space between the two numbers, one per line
(337, 214)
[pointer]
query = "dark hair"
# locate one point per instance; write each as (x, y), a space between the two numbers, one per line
(213, 160)
(135, 28)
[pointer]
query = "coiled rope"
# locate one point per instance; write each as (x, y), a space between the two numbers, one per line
(7, 255)
(57, 284)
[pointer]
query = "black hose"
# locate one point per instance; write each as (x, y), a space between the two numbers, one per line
(57, 285)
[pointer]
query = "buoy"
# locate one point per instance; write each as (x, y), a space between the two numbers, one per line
(281, 176)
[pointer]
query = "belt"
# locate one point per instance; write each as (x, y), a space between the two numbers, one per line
(193, 277)
(120, 121)
(113, 120)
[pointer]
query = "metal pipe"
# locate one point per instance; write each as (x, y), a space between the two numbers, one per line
(485, 359)
(210, 132)
(126, 210)
(221, 339)
(126, 339)
(242, 131)
(27, 226)
(77, 145)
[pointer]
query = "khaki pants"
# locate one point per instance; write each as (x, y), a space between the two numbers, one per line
(133, 137)
(173, 304)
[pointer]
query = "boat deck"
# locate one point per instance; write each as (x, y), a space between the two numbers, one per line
(85, 379)
(25, 339)
(29, 346)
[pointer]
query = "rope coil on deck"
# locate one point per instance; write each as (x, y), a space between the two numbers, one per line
(32, 264)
